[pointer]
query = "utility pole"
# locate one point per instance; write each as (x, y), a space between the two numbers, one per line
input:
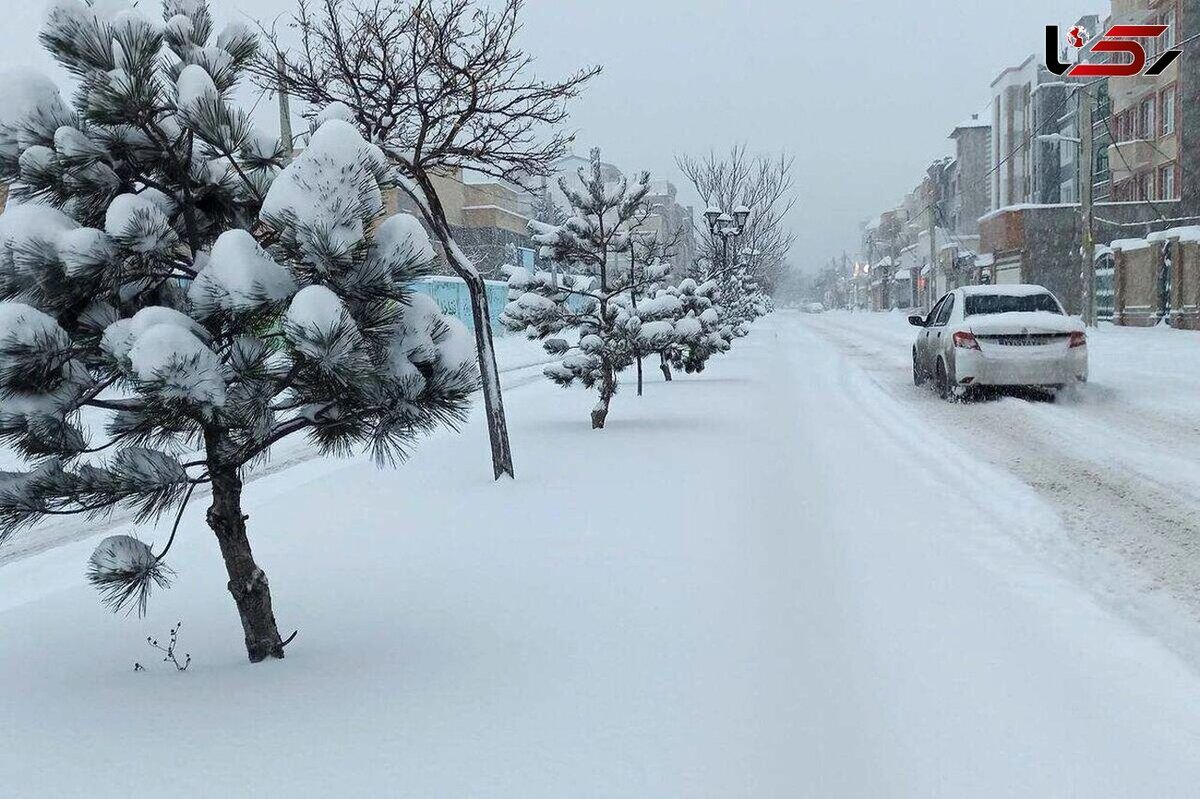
(934, 267)
(1087, 180)
(285, 114)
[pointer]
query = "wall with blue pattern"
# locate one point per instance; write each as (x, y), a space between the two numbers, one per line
(451, 295)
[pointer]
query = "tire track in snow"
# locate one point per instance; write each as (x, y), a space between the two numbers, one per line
(1118, 501)
(1099, 413)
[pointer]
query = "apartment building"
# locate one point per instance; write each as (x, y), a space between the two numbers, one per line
(489, 219)
(969, 196)
(1012, 122)
(1154, 148)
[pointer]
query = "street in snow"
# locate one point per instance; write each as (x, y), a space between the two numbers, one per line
(840, 588)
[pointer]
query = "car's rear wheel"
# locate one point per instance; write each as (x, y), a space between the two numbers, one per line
(919, 376)
(943, 382)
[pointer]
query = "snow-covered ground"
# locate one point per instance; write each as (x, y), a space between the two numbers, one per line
(1116, 461)
(519, 359)
(794, 575)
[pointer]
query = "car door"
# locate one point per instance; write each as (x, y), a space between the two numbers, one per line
(929, 338)
(939, 340)
(926, 352)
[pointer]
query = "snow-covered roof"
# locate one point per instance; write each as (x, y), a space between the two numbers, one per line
(902, 274)
(976, 121)
(1024, 207)
(985, 259)
(1129, 245)
(1191, 233)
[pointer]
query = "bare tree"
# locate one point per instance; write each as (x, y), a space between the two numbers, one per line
(439, 85)
(762, 183)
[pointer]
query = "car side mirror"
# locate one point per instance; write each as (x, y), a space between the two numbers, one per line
(916, 320)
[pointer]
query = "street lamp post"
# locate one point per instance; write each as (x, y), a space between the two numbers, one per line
(726, 226)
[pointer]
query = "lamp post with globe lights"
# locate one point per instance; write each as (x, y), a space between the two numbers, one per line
(726, 226)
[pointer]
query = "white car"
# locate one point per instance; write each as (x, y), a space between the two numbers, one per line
(981, 336)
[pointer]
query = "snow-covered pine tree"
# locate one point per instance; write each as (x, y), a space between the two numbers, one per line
(740, 300)
(172, 303)
(654, 332)
(596, 242)
(658, 311)
(699, 334)
(440, 86)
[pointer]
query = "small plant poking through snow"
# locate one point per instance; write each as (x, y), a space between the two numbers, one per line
(168, 651)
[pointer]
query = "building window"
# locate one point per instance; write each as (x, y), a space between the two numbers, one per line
(1168, 37)
(1145, 184)
(1166, 183)
(1146, 129)
(1168, 111)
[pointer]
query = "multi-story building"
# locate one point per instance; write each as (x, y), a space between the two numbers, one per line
(1012, 122)
(1155, 129)
(489, 219)
(1056, 140)
(970, 197)
(1031, 165)
(671, 221)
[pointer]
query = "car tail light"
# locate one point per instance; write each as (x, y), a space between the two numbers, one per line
(965, 341)
(1078, 340)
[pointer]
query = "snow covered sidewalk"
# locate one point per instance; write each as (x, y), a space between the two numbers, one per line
(734, 591)
(519, 360)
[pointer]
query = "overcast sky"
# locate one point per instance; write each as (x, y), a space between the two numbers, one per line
(863, 93)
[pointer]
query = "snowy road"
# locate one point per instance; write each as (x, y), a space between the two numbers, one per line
(794, 576)
(1117, 461)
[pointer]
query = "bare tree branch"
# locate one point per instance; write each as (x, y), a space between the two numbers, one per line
(762, 183)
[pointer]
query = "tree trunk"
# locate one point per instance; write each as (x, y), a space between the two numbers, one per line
(493, 401)
(639, 373)
(608, 388)
(666, 367)
(247, 582)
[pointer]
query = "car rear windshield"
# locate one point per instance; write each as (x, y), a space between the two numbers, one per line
(980, 304)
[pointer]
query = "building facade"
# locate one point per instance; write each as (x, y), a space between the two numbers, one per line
(1154, 120)
(970, 197)
(489, 220)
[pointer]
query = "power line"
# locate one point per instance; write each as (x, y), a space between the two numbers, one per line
(1128, 168)
(1029, 137)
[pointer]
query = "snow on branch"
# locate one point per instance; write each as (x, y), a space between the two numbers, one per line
(164, 272)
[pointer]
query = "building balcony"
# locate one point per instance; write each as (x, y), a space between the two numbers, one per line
(493, 216)
(1131, 157)
(1126, 93)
